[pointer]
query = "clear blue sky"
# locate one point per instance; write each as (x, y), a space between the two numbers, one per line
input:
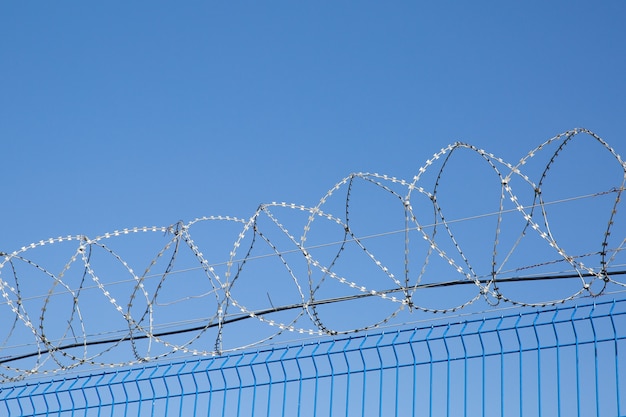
(115, 115)
(146, 113)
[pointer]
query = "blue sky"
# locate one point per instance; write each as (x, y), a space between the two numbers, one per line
(118, 115)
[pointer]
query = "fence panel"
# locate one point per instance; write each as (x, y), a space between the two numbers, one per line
(563, 361)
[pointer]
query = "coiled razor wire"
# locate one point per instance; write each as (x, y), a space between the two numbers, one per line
(373, 249)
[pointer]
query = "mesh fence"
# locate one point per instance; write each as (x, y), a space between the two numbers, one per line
(564, 361)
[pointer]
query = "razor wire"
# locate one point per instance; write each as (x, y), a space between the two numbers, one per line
(372, 250)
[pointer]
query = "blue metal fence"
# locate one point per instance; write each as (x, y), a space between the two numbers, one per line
(566, 361)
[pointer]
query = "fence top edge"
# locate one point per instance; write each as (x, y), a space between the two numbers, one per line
(546, 316)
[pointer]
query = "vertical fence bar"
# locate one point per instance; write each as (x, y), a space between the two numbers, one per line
(521, 368)
(83, 388)
(615, 346)
(30, 397)
(19, 403)
(348, 374)
(482, 350)
(414, 373)
(97, 384)
(182, 390)
(538, 364)
(502, 379)
(270, 382)
(254, 383)
(82, 391)
(126, 398)
(141, 399)
(5, 399)
(363, 394)
(380, 382)
(285, 382)
(167, 388)
(43, 396)
(430, 369)
(558, 363)
(595, 355)
(462, 336)
(316, 379)
(577, 363)
(300, 379)
(221, 368)
(151, 385)
(240, 387)
(197, 389)
(70, 390)
(332, 378)
(397, 381)
(445, 344)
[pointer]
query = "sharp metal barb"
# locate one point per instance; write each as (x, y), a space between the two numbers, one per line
(370, 237)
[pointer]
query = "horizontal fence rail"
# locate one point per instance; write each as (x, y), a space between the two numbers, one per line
(566, 361)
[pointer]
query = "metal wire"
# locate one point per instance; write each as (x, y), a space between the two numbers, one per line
(393, 245)
(532, 362)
